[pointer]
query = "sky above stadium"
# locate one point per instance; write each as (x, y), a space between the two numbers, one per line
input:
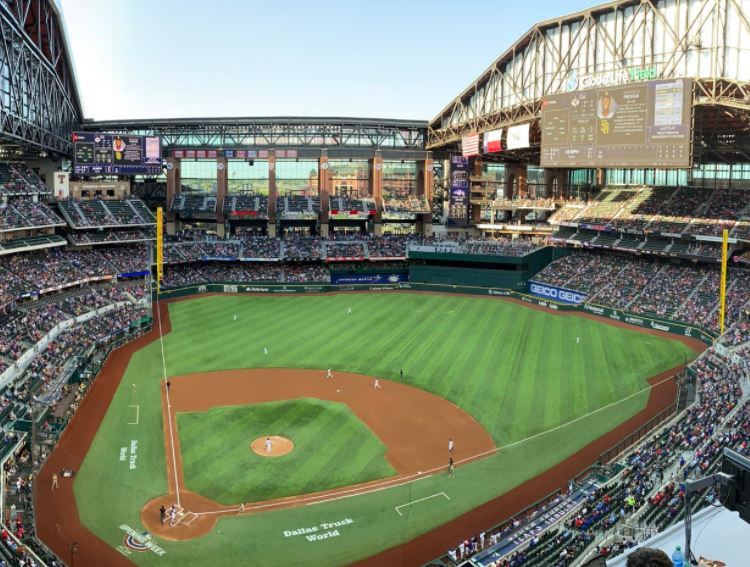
(385, 59)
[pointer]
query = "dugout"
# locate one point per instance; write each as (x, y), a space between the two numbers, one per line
(510, 272)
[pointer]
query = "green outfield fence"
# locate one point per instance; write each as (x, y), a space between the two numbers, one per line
(636, 320)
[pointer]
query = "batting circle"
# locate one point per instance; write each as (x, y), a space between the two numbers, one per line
(279, 446)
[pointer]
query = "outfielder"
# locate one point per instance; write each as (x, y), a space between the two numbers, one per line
(349, 310)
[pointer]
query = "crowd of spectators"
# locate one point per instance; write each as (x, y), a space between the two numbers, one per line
(19, 213)
(85, 238)
(37, 270)
(650, 286)
(181, 275)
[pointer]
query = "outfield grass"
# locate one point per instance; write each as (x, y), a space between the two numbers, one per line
(332, 448)
(518, 371)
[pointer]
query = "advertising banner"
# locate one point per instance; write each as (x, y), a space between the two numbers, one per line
(554, 293)
(386, 278)
(458, 207)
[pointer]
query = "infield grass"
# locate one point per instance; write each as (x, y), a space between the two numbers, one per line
(332, 448)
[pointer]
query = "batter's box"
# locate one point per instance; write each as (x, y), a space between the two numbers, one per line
(189, 517)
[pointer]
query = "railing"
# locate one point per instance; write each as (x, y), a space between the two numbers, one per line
(627, 442)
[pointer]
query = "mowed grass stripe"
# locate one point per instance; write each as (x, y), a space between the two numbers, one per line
(516, 370)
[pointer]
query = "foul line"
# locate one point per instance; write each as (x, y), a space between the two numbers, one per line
(137, 414)
(393, 483)
(169, 404)
(420, 500)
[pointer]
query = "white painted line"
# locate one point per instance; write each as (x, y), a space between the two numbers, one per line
(137, 414)
(420, 500)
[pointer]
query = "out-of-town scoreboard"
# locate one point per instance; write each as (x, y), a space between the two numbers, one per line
(96, 153)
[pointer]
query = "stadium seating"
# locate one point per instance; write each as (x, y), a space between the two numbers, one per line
(95, 213)
(685, 292)
(19, 214)
(246, 206)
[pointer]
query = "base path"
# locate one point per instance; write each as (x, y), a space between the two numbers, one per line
(280, 446)
(388, 412)
(59, 526)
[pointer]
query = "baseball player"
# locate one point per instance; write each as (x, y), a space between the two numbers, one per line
(235, 317)
(172, 516)
(349, 310)
(578, 340)
(54, 481)
(402, 373)
(450, 467)
(265, 350)
(162, 514)
(377, 384)
(132, 388)
(269, 444)
(329, 374)
(450, 445)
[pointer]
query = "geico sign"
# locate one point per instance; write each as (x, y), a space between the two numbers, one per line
(554, 293)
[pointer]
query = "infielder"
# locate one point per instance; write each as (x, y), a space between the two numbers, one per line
(269, 444)
(329, 374)
(377, 384)
(450, 445)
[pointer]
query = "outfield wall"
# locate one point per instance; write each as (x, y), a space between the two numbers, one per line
(636, 320)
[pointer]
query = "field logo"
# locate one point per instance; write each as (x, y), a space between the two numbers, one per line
(133, 541)
(659, 327)
(319, 532)
(557, 293)
(393, 278)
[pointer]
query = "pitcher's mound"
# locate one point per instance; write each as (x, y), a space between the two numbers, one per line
(279, 446)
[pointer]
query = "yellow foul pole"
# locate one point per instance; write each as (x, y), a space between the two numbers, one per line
(159, 248)
(723, 290)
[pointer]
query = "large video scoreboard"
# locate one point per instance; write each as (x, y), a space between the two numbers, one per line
(95, 153)
(633, 125)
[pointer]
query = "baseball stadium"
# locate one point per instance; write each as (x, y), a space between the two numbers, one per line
(514, 334)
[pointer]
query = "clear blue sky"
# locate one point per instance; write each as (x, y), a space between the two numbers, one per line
(384, 59)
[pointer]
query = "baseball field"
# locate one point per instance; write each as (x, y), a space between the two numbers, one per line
(518, 390)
